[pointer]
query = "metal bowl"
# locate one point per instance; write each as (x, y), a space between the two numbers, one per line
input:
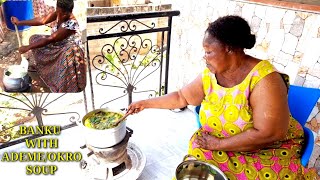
(198, 170)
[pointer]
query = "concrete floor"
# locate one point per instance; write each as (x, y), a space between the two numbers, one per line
(162, 136)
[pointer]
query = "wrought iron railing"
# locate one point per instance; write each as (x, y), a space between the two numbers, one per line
(36, 106)
(136, 49)
(126, 50)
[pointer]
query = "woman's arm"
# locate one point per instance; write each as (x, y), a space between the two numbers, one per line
(57, 36)
(270, 119)
(190, 94)
(36, 21)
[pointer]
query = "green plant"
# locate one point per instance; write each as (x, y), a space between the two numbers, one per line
(162, 90)
(146, 61)
(2, 1)
(112, 61)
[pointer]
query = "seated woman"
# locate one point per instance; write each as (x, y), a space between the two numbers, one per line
(247, 130)
(59, 57)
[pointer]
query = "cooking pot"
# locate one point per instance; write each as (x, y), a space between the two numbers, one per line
(16, 79)
(194, 169)
(103, 138)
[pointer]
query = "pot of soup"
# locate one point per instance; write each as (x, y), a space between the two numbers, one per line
(99, 128)
(15, 79)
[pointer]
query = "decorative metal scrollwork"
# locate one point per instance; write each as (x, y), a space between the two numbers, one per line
(128, 25)
(124, 60)
(35, 105)
(135, 47)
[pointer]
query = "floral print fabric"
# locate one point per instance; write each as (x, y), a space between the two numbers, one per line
(226, 112)
(73, 25)
(61, 65)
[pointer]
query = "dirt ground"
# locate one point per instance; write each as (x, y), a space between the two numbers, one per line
(9, 54)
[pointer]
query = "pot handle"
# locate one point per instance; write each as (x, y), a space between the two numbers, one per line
(124, 110)
(189, 157)
(130, 131)
(23, 81)
(78, 122)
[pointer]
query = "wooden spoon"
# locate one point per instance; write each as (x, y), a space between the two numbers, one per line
(116, 123)
(24, 62)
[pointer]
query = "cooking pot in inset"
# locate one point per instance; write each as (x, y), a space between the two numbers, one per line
(16, 79)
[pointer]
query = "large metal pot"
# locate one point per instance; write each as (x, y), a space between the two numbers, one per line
(191, 168)
(16, 81)
(103, 138)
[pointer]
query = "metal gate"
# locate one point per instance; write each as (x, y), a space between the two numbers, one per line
(128, 54)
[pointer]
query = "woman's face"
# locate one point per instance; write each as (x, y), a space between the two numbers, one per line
(62, 15)
(216, 55)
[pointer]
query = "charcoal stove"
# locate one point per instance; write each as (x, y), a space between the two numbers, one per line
(123, 161)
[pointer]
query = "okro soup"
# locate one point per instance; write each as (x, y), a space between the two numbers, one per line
(102, 120)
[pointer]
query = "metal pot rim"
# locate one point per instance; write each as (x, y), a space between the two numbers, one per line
(24, 74)
(102, 130)
(201, 162)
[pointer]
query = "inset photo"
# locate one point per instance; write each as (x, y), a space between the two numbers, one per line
(42, 46)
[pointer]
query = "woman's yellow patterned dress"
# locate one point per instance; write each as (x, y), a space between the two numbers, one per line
(226, 112)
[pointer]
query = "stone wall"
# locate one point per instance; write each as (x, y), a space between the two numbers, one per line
(312, 2)
(99, 3)
(112, 3)
(79, 10)
(290, 39)
(93, 11)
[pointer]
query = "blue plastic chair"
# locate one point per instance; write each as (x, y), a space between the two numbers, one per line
(196, 110)
(301, 101)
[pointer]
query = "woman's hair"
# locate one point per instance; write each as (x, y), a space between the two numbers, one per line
(66, 5)
(232, 31)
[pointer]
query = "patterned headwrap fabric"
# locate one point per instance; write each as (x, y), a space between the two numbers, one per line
(66, 5)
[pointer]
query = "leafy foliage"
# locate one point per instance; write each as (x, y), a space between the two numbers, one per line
(2, 1)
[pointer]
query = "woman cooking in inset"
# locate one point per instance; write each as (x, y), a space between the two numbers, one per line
(247, 130)
(59, 57)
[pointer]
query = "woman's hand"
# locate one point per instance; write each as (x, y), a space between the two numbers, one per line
(207, 141)
(15, 20)
(24, 49)
(136, 107)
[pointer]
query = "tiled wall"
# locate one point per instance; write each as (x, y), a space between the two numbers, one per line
(290, 39)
